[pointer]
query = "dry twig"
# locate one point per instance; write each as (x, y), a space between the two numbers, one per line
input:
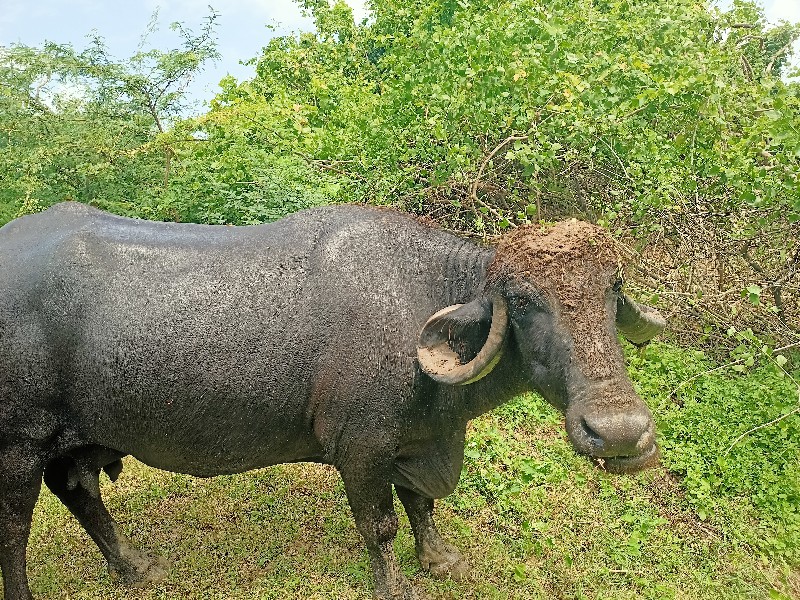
(474, 187)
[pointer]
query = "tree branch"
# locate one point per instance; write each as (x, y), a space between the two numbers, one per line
(778, 54)
(473, 192)
(765, 425)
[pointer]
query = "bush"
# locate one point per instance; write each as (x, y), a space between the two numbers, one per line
(711, 429)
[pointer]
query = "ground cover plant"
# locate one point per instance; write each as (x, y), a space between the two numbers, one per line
(534, 519)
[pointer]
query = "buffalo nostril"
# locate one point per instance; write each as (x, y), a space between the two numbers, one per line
(619, 434)
(592, 436)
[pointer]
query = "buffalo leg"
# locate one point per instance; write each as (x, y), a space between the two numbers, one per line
(20, 483)
(125, 563)
(434, 554)
(370, 498)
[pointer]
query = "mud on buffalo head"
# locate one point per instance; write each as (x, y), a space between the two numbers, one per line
(552, 300)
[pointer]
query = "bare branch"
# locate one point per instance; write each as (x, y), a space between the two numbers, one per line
(746, 68)
(490, 156)
(329, 166)
(474, 187)
(619, 160)
(748, 38)
(778, 54)
(765, 425)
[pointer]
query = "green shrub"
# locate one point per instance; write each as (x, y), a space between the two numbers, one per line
(701, 411)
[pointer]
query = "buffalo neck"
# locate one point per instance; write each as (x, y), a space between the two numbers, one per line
(503, 384)
(466, 272)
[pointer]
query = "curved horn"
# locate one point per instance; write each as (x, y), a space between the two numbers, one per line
(439, 361)
(637, 322)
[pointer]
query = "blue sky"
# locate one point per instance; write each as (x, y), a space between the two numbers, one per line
(241, 28)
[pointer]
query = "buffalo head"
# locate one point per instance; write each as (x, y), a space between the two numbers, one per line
(552, 303)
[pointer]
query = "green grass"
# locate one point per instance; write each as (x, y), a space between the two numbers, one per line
(535, 520)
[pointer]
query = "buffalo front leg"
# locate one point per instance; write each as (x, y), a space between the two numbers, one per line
(125, 563)
(20, 483)
(369, 493)
(434, 554)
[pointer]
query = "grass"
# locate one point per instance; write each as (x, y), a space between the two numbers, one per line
(535, 521)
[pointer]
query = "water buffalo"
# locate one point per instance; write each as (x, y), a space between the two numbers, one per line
(353, 336)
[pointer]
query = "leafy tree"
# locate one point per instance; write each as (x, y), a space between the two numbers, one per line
(85, 126)
(491, 113)
(667, 119)
(234, 166)
(764, 51)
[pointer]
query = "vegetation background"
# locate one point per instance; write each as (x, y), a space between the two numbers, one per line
(675, 125)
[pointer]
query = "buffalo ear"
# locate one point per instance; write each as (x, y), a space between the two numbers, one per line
(463, 342)
(637, 322)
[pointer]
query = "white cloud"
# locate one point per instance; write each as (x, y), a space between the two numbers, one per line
(777, 10)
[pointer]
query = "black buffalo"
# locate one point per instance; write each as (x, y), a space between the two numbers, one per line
(353, 336)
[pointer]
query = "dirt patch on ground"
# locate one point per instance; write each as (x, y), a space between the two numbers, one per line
(573, 263)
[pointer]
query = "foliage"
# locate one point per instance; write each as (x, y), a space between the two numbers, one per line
(151, 81)
(668, 123)
(482, 115)
(712, 433)
(224, 172)
(763, 49)
(646, 107)
(84, 126)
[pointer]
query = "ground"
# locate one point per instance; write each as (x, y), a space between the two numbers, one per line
(535, 521)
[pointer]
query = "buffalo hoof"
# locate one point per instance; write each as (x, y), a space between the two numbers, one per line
(395, 586)
(407, 592)
(138, 569)
(443, 562)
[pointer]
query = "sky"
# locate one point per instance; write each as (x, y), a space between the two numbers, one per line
(242, 27)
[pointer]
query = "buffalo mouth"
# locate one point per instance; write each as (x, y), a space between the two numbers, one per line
(629, 464)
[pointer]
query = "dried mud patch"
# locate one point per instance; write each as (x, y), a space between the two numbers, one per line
(573, 264)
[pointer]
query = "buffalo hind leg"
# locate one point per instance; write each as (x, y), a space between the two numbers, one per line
(369, 493)
(125, 563)
(434, 554)
(20, 483)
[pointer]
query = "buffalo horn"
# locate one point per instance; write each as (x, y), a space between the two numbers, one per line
(637, 322)
(443, 365)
